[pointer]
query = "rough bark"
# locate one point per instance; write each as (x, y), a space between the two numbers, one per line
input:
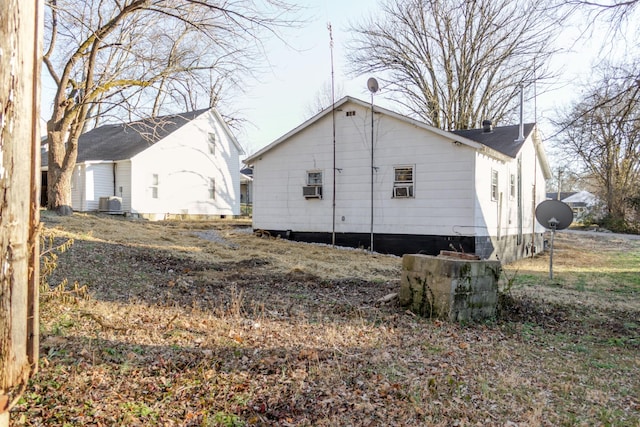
(19, 187)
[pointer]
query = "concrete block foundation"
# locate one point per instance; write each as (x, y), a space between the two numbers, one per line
(448, 288)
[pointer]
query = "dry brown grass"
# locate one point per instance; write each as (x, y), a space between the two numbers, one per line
(202, 323)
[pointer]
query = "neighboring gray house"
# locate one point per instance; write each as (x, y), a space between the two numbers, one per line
(180, 165)
(473, 191)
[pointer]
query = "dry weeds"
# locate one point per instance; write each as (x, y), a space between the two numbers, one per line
(204, 324)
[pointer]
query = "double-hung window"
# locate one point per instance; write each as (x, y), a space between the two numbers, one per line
(512, 186)
(313, 189)
(155, 182)
(212, 143)
(403, 181)
(494, 185)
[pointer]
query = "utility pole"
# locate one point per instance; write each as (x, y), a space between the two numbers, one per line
(20, 59)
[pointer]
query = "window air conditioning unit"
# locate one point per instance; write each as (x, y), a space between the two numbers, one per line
(110, 204)
(312, 192)
(402, 192)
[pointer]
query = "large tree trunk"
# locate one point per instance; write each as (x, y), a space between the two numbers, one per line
(61, 163)
(20, 48)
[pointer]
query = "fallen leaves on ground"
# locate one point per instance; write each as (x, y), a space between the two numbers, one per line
(252, 332)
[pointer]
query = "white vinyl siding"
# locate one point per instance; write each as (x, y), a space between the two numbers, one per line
(186, 168)
(123, 184)
(443, 171)
(90, 181)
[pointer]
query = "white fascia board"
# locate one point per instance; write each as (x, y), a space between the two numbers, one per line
(225, 127)
(452, 137)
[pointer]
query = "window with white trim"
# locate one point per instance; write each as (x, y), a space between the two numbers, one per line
(313, 189)
(494, 184)
(512, 186)
(155, 181)
(403, 182)
(212, 188)
(212, 143)
(314, 178)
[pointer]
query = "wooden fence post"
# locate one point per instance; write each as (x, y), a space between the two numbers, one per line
(20, 59)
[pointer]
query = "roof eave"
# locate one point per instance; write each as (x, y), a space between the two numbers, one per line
(227, 130)
(250, 159)
(454, 138)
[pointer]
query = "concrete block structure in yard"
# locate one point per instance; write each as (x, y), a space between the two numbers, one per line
(449, 288)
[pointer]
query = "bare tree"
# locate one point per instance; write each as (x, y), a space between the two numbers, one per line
(324, 97)
(131, 58)
(455, 63)
(620, 40)
(603, 130)
(616, 13)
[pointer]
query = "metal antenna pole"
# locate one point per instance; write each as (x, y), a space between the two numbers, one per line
(553, 224)
(371, 246)
(333, 121)
(372, 84)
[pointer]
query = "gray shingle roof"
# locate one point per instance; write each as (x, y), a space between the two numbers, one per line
(123, 141)
(501, 139)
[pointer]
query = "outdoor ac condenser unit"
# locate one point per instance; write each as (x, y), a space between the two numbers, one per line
(111, 204)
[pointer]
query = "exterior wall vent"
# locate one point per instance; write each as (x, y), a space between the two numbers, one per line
(350, 113)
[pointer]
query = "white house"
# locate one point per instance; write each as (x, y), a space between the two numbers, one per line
(246, 190)
(181, 165)
(583, 203)
(420, 189)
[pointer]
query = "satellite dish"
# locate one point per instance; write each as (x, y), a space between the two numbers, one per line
(372, 84)
(554, 214)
